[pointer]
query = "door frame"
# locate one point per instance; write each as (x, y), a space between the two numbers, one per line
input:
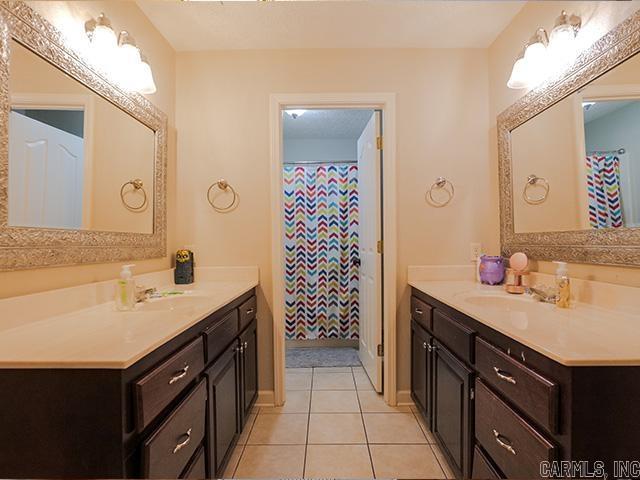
(375, 101)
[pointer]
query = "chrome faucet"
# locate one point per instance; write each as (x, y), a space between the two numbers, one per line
(542, 295)
(143, 293)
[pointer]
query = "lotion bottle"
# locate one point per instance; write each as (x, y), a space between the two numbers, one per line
(125, 290)
(563, 285)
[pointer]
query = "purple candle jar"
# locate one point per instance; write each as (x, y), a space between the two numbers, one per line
(491, 270)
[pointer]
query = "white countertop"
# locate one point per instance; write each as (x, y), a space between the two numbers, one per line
(101, 337)
(583, 335)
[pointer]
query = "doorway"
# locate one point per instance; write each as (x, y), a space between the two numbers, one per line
(332, 280)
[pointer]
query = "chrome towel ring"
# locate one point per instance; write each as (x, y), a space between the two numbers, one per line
(441, 183)
(533, 180)
(224, 186)
(138, 186)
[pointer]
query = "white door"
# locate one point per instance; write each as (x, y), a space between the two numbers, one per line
(369, 170)
(45, 175)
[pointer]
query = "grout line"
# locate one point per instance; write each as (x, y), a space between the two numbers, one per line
(420, 426)
(244, 446)
(444, 473)
(364, 426)
(306, 445)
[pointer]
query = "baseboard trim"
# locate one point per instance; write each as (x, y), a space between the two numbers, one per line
(265, 398)
(404, 398)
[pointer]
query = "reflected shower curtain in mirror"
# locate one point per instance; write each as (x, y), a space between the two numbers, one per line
(603, 189)
(321, 251)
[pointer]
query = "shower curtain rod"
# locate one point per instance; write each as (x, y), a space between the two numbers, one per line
(320, 162)
(619, 151)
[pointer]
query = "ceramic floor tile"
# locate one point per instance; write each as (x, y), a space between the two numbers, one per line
(336, 428)
(405, 461)
(298, 401)
(299, 370)
(332, 370)
(271, 461)
(372, 402)
(280, 429)
(392, 428)
(242, 439)
(230, 471)
(362, 381)
(333, 381)
(338, 461)
(443, 463)
(334, 401)
(424, 427)
(298, 381)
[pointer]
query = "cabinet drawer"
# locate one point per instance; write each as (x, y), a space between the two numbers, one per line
(421, 313)
(156, 389)
(168, 450)
(483, 469)
(247, 312)
(529, 391)
(220, 335)
(515, 446)
(454, 335)
(196, 468)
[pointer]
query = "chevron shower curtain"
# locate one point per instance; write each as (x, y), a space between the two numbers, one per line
(603, 189)
(321, 246)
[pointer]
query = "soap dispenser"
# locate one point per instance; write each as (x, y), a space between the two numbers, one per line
(563, 285)
(125, 289)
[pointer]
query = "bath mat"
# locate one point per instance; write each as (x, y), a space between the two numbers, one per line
(306, 357)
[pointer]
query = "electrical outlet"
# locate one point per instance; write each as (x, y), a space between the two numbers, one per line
(475, 249)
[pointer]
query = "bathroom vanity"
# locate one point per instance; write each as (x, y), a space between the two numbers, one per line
(162, 392)
(503, 389)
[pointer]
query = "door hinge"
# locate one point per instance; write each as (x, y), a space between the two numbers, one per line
(380, 247)
(379, 143)
(380, 351)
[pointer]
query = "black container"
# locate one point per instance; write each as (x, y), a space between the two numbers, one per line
(183, 273)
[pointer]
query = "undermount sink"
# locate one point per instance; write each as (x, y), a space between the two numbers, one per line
(501, 301)
(172, 303)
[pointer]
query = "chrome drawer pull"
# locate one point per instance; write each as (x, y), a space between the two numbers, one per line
(419, 311)
(424, 345)
(246, 345)
(179, 376)
(503, 376)
(431, 348)
(503, 444)
(181, 445)
(250, 311)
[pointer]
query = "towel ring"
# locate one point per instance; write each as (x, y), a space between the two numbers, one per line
(533, 180)
(223, 185)
(441, 184)
(138, 185)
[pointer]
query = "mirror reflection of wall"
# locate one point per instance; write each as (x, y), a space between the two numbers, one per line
(587, 148)
(70, 152)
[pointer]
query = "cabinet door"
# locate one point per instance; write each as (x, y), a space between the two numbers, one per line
(249, 381)
(421, 369)
(452, 412)
(223, 408)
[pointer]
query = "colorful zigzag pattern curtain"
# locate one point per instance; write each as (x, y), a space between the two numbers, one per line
(603, 189)
(321, 246)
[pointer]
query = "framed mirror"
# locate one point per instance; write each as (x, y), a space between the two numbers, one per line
(82, 162)
(569, 159)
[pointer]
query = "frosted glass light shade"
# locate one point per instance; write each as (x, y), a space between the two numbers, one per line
(536, 58)
(104, 45)
(562, 44)
(519, 75)
(145, 83)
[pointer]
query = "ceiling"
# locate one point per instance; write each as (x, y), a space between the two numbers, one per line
(604, 107)
(325, 124)
(229, 25)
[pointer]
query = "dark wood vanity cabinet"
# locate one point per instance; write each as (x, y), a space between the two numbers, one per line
(499, 409)
(175, 413)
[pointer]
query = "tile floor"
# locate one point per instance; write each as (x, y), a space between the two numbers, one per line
(335, 425)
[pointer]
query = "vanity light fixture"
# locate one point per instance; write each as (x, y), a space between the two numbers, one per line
(119, 56)
(296, 113)
(544, 54)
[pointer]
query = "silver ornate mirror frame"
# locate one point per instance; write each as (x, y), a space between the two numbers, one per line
(606, 246)
(22, 247)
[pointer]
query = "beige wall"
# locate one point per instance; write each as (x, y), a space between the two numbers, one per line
(442, 125)
(597, 18)
(69, 17)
